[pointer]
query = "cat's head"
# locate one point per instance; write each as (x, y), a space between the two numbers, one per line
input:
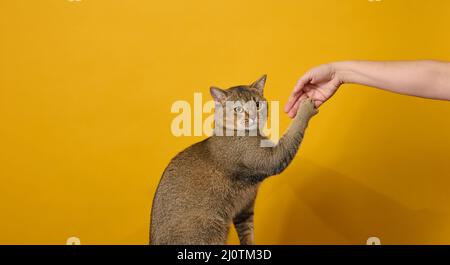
(241, 108)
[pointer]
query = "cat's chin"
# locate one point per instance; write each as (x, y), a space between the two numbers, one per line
(252, 128)
(250, 131)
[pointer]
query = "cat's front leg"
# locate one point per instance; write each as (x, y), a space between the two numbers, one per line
(243, 223)
(305, 112)
(268, 161)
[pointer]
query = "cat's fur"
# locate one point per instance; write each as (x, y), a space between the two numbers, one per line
(213, 183)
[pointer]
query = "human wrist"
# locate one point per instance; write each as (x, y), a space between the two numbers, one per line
(343, 71)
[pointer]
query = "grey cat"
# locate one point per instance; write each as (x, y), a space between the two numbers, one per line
(214, 183)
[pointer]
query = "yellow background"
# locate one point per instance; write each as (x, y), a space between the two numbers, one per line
(86, 90)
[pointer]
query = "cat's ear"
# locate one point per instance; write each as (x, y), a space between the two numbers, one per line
(219, 95)
(259, 84)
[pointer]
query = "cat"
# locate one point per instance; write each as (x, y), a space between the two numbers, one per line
(214, 183)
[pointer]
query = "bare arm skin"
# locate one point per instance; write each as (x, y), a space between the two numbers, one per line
(427, 79)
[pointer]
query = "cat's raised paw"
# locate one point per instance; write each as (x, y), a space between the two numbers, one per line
(307, 108)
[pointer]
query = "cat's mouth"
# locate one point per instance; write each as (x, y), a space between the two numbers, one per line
(251, 124)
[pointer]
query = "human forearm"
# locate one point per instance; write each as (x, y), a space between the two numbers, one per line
(429, 79)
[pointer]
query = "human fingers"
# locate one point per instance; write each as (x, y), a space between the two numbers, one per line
(297, 91)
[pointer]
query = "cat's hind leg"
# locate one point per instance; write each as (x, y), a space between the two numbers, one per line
(243, 223)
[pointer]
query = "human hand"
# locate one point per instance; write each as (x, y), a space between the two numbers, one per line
(318, 84)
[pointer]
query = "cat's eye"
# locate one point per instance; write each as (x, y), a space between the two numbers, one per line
(239, 109)
(259, 105)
